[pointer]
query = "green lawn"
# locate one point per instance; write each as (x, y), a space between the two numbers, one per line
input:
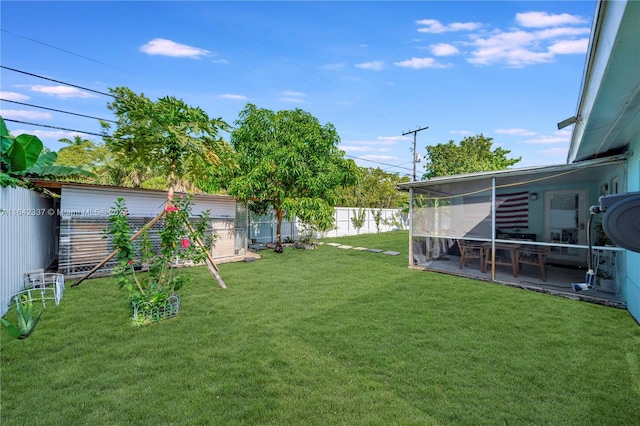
(327, 337)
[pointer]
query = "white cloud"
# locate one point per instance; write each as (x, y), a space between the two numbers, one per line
(334, 67)
(232, 96)
(444, 49)
(292, 100)
(543, 19)
(373, 65)
(552, 152)
(62, 91)
(435, 27)
(568, 47)
(294, 94)
(518, 48)
(545, 140)
(559, 32)
(13, 96)
(382, 140)
(390, 140)
(48, 134)
(379, 157)
(363, 45)
(514, 132)
(164, 47)
(418, 63)
(352, 148)
(18, 114)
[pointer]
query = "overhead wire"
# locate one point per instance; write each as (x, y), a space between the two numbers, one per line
(57, 81)
(53, 127)
(377, 162)
(57, 110)
(66, 51)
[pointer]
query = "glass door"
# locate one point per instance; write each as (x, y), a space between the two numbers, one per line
(566, 214)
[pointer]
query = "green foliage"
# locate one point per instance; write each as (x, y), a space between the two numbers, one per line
(27, 319)
(474, 154)
(375, 189)
(82, 153)
(167, 138)
(358, 219)
(377, 218)
(288, 162)
(177, 242)
(24, 156)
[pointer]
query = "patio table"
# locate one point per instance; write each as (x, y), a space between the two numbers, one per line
(513, 256)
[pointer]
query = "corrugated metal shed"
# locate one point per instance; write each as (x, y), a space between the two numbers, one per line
(27, 238)
(84, 212)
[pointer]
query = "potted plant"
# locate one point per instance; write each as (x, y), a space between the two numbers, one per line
(154, 296)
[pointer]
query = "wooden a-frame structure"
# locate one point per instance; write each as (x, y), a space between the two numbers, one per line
(211, 265)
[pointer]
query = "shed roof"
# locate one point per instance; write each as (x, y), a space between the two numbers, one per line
(56, 187)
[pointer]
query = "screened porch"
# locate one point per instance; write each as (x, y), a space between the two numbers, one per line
(522, 227)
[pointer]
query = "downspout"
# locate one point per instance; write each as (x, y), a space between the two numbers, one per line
(493, 229)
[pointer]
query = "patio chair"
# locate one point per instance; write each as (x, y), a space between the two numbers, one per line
(471, 250)
(536, 256)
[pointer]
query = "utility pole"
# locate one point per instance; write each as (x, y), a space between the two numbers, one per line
(415, 162)
(415, 155)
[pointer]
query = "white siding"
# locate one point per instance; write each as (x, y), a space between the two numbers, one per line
(85, 210)
(97, 201)
(27, 238)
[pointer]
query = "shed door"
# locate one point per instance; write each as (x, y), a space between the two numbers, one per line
(566, 213)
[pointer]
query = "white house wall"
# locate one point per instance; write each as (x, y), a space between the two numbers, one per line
(27, 238)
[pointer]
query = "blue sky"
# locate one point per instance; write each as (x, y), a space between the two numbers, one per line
(375, 70)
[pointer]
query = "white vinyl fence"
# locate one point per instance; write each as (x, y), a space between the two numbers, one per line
(262, 229)
(28, 223)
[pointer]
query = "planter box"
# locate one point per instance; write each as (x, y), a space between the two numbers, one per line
(145, 312)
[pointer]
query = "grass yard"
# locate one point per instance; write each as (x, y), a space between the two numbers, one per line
(326, 337)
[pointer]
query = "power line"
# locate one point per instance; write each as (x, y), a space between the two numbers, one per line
(53, 127)
(58, 81)
(58, 110)
(378, 162)
(66, 51)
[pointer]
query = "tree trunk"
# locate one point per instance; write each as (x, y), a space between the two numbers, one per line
(279, 215)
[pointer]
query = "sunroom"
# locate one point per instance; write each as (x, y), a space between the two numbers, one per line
(524, 227)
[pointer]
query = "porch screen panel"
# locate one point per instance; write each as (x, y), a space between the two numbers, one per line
(455, 216)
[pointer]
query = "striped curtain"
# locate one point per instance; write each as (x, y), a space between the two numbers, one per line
(512, 210)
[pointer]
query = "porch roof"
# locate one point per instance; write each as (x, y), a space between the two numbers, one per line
(570, 173)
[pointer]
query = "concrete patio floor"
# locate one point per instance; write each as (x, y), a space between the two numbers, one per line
(559, 279)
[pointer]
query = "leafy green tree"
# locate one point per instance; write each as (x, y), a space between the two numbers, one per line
(167, 138)
(290, 163)
(24, 156)
(82, 153)
(474, 154)
(375, 189)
